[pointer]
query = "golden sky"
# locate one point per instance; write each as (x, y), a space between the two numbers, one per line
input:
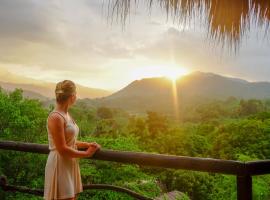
(67, 39)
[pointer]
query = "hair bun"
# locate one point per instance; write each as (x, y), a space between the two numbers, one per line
(59, 91)
(64, 90)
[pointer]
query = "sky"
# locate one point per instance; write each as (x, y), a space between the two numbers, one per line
(78, 40)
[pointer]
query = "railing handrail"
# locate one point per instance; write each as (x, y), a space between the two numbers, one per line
(40, 192)
(243, 170)
(160, 160)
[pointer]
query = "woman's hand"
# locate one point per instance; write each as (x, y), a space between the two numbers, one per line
(93, 147)
(93, 144)
(82, 145)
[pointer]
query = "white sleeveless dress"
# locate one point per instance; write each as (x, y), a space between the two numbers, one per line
(62, 174)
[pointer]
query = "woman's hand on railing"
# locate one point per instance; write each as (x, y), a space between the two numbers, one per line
(93, 144)
(93, 147)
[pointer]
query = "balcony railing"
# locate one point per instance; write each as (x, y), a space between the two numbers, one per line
(243, 170)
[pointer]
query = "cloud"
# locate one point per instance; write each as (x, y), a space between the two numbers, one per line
(51, 40)
(190, 49)
(175, 45)
(49, 35)
(27, 21)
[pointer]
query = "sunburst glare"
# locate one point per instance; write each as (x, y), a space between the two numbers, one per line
(175, 72)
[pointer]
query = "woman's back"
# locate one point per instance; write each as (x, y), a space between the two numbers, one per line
(62, 174)
(71, 131)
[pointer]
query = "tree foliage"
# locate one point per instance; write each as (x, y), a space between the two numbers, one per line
(230, 129)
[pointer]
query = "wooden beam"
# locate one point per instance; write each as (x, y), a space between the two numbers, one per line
(39, 192)
(146, 159)
(244, 187)
(258, 167)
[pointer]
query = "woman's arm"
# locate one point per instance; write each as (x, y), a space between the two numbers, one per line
(80, 144)
(56, 127)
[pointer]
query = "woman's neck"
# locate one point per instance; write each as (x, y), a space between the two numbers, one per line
(62, 107)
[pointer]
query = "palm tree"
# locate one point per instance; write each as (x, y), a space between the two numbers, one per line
(228, 20)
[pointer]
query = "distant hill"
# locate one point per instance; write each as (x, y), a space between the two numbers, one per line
(156, 93)
(26, 93)
(45, 90)
(210, 85)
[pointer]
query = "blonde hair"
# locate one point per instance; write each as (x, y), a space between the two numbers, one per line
(64, 90)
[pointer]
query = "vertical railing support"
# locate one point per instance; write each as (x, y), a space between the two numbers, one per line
(244, 187)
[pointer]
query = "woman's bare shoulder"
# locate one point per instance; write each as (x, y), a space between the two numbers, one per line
(54, 117)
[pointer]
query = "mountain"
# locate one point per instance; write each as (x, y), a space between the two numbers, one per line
(45, 90)
(156, 93)
(210, 85)
(32, 95)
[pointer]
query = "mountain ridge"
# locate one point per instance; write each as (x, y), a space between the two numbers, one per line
(47, 89)
(157, 93)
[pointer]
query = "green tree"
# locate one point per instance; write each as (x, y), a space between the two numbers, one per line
(250, 107)
(157, 123)
(104, 113)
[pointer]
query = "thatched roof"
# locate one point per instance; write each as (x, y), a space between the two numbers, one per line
(228, 20)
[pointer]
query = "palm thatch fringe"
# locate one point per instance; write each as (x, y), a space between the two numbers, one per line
(228, 20)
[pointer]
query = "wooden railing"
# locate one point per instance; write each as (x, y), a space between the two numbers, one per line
(243, 170)
(39, 192)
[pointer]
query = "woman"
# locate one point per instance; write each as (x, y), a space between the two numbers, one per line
(62, 172)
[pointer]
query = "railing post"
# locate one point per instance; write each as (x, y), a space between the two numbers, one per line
(244, 187)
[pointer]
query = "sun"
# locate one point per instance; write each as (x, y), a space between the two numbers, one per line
(173, 76)
(174, 73)
(170, 71)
